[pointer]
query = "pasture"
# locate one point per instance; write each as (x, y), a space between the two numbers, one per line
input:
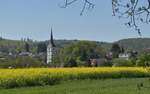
(87, 86)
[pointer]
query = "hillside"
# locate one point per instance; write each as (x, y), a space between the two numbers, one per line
(15, 45)
(137, 44)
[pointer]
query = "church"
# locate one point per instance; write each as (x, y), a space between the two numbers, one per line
(51, 49)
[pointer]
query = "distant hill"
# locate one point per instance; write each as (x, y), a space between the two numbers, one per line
(137, 44)
(15, 45)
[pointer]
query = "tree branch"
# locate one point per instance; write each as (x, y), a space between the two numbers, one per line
(133, 10)
(87, 4)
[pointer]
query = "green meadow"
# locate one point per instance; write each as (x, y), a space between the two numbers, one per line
(103, 86)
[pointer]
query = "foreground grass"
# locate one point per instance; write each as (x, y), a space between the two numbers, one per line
(107, 86)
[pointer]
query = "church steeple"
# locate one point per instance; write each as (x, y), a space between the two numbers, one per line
(51, 49)
(52, 40)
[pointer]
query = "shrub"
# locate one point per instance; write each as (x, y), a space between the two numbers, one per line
(21, 62)
(71, 63)
(104, 62)
(143, 60)
(122, 62)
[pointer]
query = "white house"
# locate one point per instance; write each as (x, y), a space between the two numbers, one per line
(124, 56)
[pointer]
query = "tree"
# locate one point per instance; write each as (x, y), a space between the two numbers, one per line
(71, 63)
(27, 47)
(41, 47)
(133, 10)
(1, 38)
(115, 50)
(21, 62)
(143, 60)
(80, 52)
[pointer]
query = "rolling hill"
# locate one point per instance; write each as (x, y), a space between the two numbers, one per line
(137, 44)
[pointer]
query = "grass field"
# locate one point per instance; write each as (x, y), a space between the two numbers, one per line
(107, 86)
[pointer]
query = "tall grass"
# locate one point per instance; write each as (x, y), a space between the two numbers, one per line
(10, 78)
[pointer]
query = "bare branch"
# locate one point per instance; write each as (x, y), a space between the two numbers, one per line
(87, 4)
(148, 4)
(68, 2)
(133, 11)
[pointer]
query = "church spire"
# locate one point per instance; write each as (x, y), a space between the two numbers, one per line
(52, 40)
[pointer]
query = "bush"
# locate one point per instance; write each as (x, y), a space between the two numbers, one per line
(122, 62)
(143, 60)
(27, 61)
(104, 62)
(71, 63)
(21, 62)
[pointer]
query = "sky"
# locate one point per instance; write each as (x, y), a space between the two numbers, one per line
(34, 19)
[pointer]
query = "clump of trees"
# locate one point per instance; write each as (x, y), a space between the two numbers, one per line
(21, 62)
(116, 50)
(76, 54)
(143, 60)
(87, 53)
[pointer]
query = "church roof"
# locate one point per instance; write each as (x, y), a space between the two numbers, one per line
(52, 40)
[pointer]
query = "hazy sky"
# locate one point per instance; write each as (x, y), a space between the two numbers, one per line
(34, 18)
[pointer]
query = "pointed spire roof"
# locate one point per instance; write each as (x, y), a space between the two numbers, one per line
(51, 39)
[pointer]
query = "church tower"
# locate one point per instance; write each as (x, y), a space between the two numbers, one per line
(51, 49)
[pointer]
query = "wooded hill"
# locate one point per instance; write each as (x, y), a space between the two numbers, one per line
(137, 44)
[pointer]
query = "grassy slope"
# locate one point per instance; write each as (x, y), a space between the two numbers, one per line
(108, 86)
